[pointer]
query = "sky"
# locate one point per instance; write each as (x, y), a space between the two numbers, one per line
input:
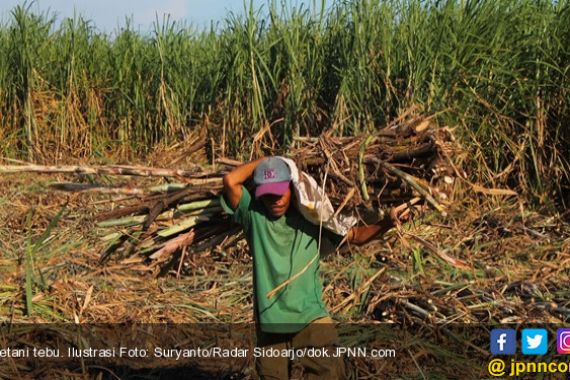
(107, 15)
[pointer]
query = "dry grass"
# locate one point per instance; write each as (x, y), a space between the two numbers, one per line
(514, 268)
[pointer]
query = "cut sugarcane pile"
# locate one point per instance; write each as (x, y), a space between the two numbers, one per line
(407, 159)
(401, 163)
(165, 227)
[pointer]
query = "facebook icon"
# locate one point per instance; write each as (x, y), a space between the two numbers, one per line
(503, 341)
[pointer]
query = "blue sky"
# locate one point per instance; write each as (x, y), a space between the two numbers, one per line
(108, 14)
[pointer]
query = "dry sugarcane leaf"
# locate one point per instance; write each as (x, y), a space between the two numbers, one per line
(493, 191)
(451, 260)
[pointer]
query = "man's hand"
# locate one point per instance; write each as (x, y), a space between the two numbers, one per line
(397, 215)
(363, 234)
(234, 180)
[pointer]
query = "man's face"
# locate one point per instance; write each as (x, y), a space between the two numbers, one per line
(277, 205)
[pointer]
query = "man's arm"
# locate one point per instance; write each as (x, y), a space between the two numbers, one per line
(363, 234)
(234, 180)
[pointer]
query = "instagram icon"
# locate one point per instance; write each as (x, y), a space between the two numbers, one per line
(563, 341)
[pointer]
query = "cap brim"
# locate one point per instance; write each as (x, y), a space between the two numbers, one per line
(275, 188)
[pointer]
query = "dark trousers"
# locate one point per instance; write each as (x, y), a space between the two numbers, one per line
(320, 333)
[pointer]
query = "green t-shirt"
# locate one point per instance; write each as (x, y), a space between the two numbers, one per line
(281, 248)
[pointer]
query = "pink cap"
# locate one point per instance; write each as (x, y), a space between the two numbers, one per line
(276, 188)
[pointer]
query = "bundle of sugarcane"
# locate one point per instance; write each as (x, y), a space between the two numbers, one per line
(160, 221)
(385, 168)
(168, 221)
(165, 226)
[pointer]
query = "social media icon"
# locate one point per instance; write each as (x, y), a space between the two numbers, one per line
(503, 341)
(563, 341)
(534, 341)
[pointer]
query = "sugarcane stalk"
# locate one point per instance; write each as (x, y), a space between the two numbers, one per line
(167, 215)
(228, 161)
(155, 210)
(123, 222)
(142, 171)
(111, 236)
(204, 211)
(184, 225)
(90, 188)
(151, 248)
(424, 313)
(215, 182)
(167, 187)
(186, 194)
(412, 182)
(408, 154)
(457, 263)
(198, 205)
(174, 244)
(218, 238)
(363, 188)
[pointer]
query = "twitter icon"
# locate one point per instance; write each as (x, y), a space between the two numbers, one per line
(534, 341)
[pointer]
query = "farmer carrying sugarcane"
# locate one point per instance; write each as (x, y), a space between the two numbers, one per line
(283, 243)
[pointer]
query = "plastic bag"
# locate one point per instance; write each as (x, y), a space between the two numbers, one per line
(314, 204)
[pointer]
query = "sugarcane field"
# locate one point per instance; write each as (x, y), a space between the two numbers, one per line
(294, 190)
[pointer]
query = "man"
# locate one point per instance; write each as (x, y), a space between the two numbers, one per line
(283, 245)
